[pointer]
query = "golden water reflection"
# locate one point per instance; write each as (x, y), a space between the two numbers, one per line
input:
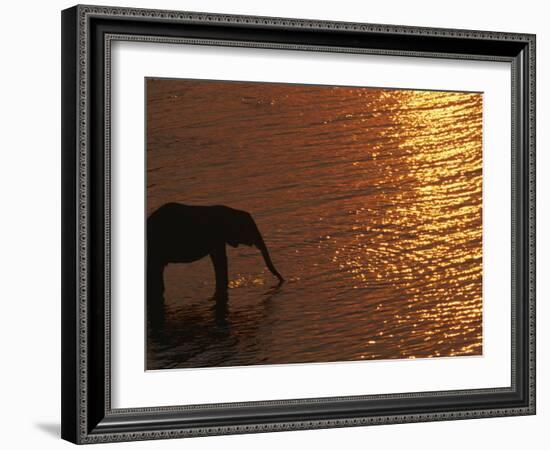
(428, 243)
(370, 201)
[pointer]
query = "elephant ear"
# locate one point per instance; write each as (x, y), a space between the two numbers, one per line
(232, 241)
(239, 228)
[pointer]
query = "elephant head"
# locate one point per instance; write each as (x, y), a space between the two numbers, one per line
(242, 229)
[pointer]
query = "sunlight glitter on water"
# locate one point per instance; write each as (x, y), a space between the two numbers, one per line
(370, 202)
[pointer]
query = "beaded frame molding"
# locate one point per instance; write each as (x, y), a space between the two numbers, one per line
(87, 35)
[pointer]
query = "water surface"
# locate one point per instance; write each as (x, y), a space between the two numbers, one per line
(368, 199)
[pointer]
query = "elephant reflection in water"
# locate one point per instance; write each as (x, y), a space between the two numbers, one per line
(178, 233)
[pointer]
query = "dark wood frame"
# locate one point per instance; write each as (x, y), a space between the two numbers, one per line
(87, 32)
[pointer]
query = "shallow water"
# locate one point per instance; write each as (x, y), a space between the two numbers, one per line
(368, 199)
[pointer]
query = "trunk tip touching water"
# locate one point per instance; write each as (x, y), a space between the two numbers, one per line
(265, 253)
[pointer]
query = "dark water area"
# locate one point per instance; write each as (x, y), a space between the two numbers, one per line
(369, 200)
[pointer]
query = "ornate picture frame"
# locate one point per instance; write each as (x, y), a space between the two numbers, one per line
(88, 415)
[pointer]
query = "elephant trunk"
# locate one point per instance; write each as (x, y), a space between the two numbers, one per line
(263, 248)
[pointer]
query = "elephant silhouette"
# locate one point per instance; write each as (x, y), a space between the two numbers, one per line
(178, 233)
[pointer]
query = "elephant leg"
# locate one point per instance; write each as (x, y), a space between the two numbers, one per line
(155, 291)
(219, 260)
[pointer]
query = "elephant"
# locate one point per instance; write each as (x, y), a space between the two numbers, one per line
(178, 233)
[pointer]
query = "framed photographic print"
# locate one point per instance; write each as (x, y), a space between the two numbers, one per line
(279, 224)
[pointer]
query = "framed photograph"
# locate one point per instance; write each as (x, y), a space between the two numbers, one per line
(279, 224)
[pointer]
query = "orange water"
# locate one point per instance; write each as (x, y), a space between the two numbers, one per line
(368, 199)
